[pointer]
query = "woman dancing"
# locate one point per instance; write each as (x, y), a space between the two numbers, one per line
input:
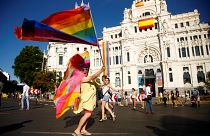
(87, 101)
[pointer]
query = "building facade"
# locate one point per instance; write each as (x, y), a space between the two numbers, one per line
(150, 46)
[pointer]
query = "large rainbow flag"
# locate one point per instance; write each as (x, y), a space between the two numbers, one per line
(73, 24)
(66, 95)
(105, 50)
(36, 31)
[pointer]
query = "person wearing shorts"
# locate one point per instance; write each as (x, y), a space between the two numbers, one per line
(105, 100)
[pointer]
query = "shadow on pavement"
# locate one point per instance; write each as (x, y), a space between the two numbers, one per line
(11, 108)
(13, 127)
(180, 126)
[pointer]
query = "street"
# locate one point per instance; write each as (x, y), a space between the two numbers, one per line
(166, 121)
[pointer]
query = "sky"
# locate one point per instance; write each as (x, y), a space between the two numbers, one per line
(105, 13)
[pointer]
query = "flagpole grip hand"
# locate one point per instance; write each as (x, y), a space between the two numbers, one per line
(103, 68)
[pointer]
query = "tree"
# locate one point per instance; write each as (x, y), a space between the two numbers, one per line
(10, 86)
(29, 61)
(44, 81)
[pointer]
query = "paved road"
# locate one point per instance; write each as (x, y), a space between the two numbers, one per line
(167, 121)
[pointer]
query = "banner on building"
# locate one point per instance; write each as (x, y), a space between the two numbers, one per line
(140, 81)
(159, 80)
(146, 23)
(105, 49)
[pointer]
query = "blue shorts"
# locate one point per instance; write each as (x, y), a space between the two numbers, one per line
(106, 98)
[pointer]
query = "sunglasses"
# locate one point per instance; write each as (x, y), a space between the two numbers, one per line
(85, 69)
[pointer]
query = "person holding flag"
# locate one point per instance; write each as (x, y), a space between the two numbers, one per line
(87, 101)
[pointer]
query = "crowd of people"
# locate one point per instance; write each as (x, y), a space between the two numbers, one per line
(174, 97)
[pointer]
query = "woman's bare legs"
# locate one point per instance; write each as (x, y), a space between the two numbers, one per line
(84, 131)
(82, 123)
(110, 111)
(103, 109)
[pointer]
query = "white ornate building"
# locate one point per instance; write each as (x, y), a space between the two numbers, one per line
(169, 51)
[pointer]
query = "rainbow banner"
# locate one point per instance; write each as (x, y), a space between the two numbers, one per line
(159, 81)
(66, 95)
(139, 4)
(105, 50)
(74, 26)
(76, 22)
(36, 31)
(146, 23)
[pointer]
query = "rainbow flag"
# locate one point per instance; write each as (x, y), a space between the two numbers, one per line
(66, 95)
(146, 23)
(105, 50)
(76, 22)
(74, 26)
(36, 31)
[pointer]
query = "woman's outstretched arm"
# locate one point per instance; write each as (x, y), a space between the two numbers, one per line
(94, 76)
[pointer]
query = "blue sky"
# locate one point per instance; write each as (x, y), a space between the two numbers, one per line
(106, 13)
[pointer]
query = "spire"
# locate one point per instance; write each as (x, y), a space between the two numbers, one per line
(82, 3)
(76, 5)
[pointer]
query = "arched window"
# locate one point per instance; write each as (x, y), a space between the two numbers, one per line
(148, 59)
(186, 75)
(146, 14)
(200, 74)
(139, 72)
(128, 56)
(97, 62)
(129, 77)
(170, 75)
(117, 82)
(65, 49)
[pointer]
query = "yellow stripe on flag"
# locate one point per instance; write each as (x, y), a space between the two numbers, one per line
(146, 23)
(139, 4)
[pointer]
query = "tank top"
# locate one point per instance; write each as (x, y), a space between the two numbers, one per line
(105, 90)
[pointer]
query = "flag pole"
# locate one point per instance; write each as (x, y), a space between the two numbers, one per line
(96, 35)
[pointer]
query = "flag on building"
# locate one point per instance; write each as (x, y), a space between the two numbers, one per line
(105, 51)
(146, 23)
(139, 4)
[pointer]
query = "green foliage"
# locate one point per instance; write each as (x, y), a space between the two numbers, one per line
(10, 86)
(27, 63)
(44, 80)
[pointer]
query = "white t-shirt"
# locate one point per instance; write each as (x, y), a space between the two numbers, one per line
(147, 91)
(26, 90)
(105, 90)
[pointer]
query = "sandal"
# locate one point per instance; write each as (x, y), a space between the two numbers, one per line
(86, 133)
(74, 134)
(101, 120)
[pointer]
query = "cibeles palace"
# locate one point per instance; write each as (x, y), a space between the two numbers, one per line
(149, 46)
